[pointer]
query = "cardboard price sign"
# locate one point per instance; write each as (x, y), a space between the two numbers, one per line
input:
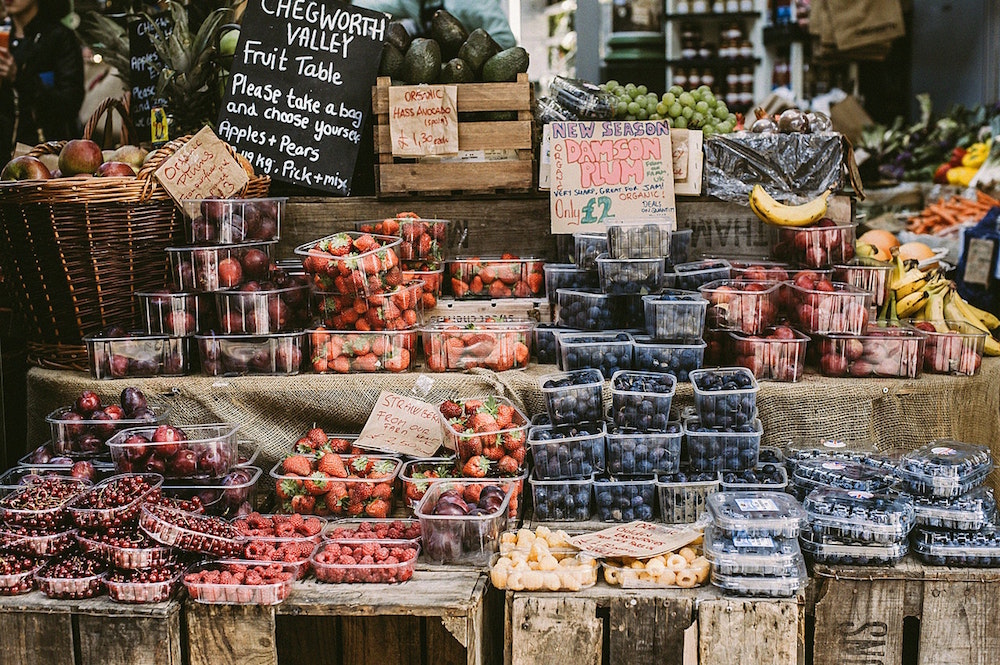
(639, 540)
(402, 424)
(423, 120)
(202, 168)
(610, 171)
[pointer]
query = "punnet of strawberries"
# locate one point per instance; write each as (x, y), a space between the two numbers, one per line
(496, 346)
(398, 308)
(316, 442)
(510, 276)
(353, 262)
(364, 352)
(365, 561)
(488, 434)
(423, 239)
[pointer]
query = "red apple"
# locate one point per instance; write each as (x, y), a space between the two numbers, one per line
(25, 167)
(80, 157)
(230, 272)
(115, 170)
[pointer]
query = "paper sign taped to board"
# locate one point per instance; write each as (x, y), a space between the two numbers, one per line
(423, 120)
(608, 171)
(402, 424)
(639, 540)
(202, 168)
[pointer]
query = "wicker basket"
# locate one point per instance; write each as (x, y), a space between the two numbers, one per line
(78, 248)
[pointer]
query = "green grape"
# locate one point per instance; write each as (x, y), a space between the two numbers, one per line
(669, 98)
(686, 99)
(687, 112)
(704, 89)
(701, 107)
(675, 110)
(642, 114)
(633, 108)
(629, 88)
(630, 117)
(675, 90)
(708, 131)
(680, 123)
(651, 105)
(709, 99)
(655, 116)
(661, 108)
(643, 90)
(720, 112)
(697, 118)
(621, 108)
(696, 96)
(612, 84)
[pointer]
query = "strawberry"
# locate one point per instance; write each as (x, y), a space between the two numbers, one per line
(513, 440)
(476, 285)
(365, 243)
(338, 245)
(476, 467)
(316, 484)
(484, 422)
(394, 277)
(317, 436)
(381, 469)
(354, 507)
(300, 465)
(472, 405)
(507, 466)
(379, 508)
(499, 289)
(360, 491)
(507, 256)
(332, 465)
(304, 446)
(303, 503)
(334, 498)
(382, 491)
(450, 409)
(493, 453)
(341, 446)
(429, 301)
(341, 365)
(459, 288)
(536, 282)
(505, 415)
(285, 489)
(366, 363)
(472, 491)
(518, 455)
(521, 290)
(406, 250)
(399, 362)
(425, 245)
(488, 275)
(508, 273)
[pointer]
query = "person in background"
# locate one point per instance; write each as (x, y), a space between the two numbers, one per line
(41, 76)
(485, 14)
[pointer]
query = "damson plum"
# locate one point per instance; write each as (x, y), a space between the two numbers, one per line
(444, 544)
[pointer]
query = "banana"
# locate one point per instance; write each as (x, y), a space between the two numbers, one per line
(934, 312)
(961, 307)
(780, 214)
(988, 318)
(906, 306)
(912, 280)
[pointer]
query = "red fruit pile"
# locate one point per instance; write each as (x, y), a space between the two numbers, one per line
(316, 442)
(361, 352)
(42, 504)
(191, 532)
(950, 353)
(746, 306)
(73, 576)
(817, 246)
(170, 313)
(431, 277)
(287, 538)
(83, 427)
(821, 306)
(114, 502)
(357, 485)
(151, 585)
(370, 561)
(778, 355)
(239, 583)
(884, 352)
(44, 541)
(15, 572)
(399, 308)
(394, 530)
(215, 268)
(353, 262)
(452, 347)
(168, 452)
(416, 484)
(507, 277)
(491, 433)
(272, 305)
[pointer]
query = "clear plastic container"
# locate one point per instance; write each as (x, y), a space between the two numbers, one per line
(719, 449)
(13, 584)
(418, 475)
(771, 455)
(129, 590)
(958, 352)
(336, 264)
(693, 274)
(469, 443)
(58, 463)
(213, 268)
(488, 278)
(639, 240)
(857, 516)
(680, 246)
(843, 474)
(572, 451)
(229, 592)
(625, 498)
(335, 352)
(756, 514)
(586, 248)
(423, 239)
(834, 551)
(633, 452)
(567, 276)
(630, 276)
(642, 400)
(565, 500)
(875, 279)
(967, 549)
(768, 556)
(762, 587)
(749, 307)
(679, 360)
(210, 450)
(221, 498)
(174, 314)
(238, 355)
(545, 342)
(389, 469)
(498, 346)
(378, 572)
(751, 270)
(945, 468)
(374, 529)
(675, 315)
(608, 352)
(800, 449)
(226, 221)
(431, 280)
(135, 355)
(584, 310)
(779, 354)
(188, 531)
(969, 512)
(682, 499)
(462, 539)
(766, 477)
(399, 308)
(76, 438)
(44, 542)
(725, 396)
(573, 397)
(72, 588)
(574, 572)
(814, 246)
(118, 515)
(145, 554)
(842, 310)
(262, 311)
(42, 504)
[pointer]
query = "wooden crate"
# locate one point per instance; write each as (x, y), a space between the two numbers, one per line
(407, 177)
(864, 614)
(35, 629)
(440, 617)
(503, 309)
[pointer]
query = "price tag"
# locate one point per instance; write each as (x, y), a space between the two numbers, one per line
(402, 424)
(423, 120)
(978, 261)
(754, 542)
(202, 168)
(639, 540)
(757, 505)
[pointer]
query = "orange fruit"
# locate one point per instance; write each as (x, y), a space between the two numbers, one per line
(917, 251)
(881, 239)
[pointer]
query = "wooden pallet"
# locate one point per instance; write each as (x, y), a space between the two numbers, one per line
(440, 617)
(409, 177)
(35, 629)
(863, 614)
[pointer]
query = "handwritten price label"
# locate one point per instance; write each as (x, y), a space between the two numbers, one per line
(639, 540)
(402, 424)
(423, 120)
(202, 168)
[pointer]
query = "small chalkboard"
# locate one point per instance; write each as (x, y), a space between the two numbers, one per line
(300, 88)
(143, 64)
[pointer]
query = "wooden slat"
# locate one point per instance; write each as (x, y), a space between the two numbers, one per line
(443, 648)
(451, 176)
(230, 634)
(762, 632)
(648, 630)
(860, 620)
(472, 311)
(32, 638)
(125, 640)
(471, 96)
(960, 624)
(555, 629)
(382, 640)
(308, 639)
(510, 135)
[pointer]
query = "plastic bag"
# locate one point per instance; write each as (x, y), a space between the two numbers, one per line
(582, 98)
(978, 271)
(549, 110)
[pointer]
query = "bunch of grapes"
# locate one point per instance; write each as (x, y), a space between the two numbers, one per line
(694, 109)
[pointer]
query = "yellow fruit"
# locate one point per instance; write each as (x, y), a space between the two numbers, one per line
(780, 214)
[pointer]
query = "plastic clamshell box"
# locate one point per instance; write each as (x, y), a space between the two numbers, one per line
(750, 307)
(639, 409)
(415, 488)
(814, 246)
(572, 397)
(770, 556)
(625, 498)
(761, 486)
(762, 587)
(412, 231)
(271, 593)
(197, 268)
(844, 474)
(304, 546)
(675, 315)
(239, 355)
(798, 449)
(939, 547)
(142, 592)
(586, 248)
(53, 514)
(496, 345)
(608, 351)
(216, 221)
(431, 283)
(545, 342)
(364, 272)
(63, 588)
(958, 352)
(349, 528)
(462, 539)
(10, 479)
(23, 475)
(693, 274)
(582, 309)
(379, 572)
(65, 440)
(154, 523)
(38, 542)
(771, 455)
(127, 558)
(945, 468)
(841, 311)
(175, 314)
(489, 278)
(968, 512)
(639, 240)
(771, 359)
(630, 276)
(824, 549)
(725, 408)
(574, 572)
(215, 439)
(248, 458)
(858, 516)
(264, 311)
(348, 352)
(676, 359)
(578, 452)
(633, 452)
(398, 308)
(227, 497)
(567, 276)
(680, 246)
(719, 449)
(103, 518)
(464, 443)
(18, 583)
(683, 502)
(564, 500)
(135, 355)
(756, 513)
(871, 278)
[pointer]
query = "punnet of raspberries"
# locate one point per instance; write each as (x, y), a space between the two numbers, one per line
(239, 582)
(365, 561)
(371, 529)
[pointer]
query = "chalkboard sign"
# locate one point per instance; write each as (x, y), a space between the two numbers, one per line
(143, 61)
(300, 88)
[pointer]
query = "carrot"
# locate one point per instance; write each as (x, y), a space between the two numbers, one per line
(945, 214)
(983, 197)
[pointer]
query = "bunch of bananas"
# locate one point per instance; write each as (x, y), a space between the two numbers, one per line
(929, 296)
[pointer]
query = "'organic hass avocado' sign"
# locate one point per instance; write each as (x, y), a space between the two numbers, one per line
(300, 88)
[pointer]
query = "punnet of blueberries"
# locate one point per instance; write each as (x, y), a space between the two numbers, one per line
(766, 476)
(545, 346)
(567, 276)
(573, 397)
(675, 315)
(674, 358)
(624, 500)
(725, 397)
(830, 550)
(630, 276)
(859, 517)
(642, 400)
(562, 500)
(608, 352)
(762, 555)
(683, 495)
(689, 276)
(572, 451)
(584, 309)
(718, 449)
(942, 547)
(633, 452)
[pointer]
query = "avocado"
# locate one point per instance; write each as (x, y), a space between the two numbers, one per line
(397, 35)
(422, 62)
(392, 61)
(448, 32)
(477, 49)
(506, 65)
(456, 70)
